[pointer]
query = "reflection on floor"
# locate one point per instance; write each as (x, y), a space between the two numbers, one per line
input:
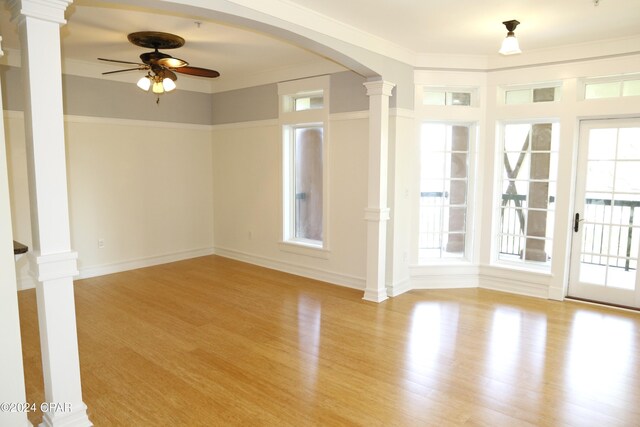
(211, 341)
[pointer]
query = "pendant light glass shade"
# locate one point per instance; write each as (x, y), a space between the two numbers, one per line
(144, 83)
(157, 88)
(168, 85)
(510, 45)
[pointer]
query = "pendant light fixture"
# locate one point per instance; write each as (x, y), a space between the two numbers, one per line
(510, 43)
(157, 83)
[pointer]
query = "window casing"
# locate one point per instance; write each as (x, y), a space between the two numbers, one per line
(526, 204)
(304, 118)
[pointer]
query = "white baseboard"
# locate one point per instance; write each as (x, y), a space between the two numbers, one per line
(101, 270)
(399, 288)
(520, 283)
(28, 282)
(288, 267)
(444, 277)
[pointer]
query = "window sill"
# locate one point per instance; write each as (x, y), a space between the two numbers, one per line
(304, 248)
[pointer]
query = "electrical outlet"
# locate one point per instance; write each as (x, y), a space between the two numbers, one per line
(100, 243)
(250, 235)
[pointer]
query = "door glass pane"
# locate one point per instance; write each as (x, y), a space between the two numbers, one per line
(610, 231)
(600, 175)
(628, 177)
(602, 144)
(629, 144)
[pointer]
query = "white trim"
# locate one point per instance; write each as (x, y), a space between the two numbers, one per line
(301, 248)
(101, 270)
(130, 122)
(291, 268)
(399, 288)
(444, 277)
(349, 115)
(402, 112)
(246, 125)
(26, 282)
(516, 282)
(16, 114)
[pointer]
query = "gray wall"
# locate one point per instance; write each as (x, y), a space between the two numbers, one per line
(84, 96)
(348, 93)
(243, 105)
(95, 97)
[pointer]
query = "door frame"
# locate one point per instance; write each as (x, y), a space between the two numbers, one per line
(576, 289)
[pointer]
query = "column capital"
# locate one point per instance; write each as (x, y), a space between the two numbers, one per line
(379, 87)
(46, 10)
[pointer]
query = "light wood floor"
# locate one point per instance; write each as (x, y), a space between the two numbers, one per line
(211, 341)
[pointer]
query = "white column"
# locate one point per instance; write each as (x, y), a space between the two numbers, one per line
(11, 369)
(377, 211)
(52, 261)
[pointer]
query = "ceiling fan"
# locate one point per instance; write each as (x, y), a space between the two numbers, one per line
(161, 68)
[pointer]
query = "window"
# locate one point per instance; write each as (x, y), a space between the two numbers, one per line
(444, 159)
(308, 102)
(304, 117)
(304, 152)
(456, 97)
(612, 87)
(527, 202)
(529, 95)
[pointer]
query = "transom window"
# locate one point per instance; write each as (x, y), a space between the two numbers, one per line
(531, 95)
(612, 87)
(454, 97)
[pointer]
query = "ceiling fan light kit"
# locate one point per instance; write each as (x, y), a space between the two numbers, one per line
(510, 44)
(161, 68)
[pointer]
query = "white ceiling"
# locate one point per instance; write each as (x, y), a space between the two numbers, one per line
(244, 56)
(474, 27)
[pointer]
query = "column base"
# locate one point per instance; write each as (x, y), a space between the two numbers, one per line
(77, 417)
(375, 295)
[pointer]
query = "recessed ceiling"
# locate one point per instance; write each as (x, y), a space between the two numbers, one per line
(474, 27)
(461, 27)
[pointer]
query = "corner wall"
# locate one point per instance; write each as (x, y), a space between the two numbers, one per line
(248, 188)
(142, 187)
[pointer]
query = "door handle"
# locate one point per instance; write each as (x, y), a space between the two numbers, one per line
(576, 222)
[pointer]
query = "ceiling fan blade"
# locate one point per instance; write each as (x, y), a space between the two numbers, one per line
(168, 74)
(122, 71)
(196, 71)
(119, 62)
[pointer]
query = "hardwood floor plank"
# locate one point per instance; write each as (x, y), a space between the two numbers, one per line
(212, 341)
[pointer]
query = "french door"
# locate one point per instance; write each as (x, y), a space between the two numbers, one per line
(606, 223)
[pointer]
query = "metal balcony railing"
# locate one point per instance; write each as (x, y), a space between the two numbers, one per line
(600, 246)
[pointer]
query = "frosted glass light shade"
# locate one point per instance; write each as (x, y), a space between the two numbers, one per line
(510, 45)
(144, 83)
(168, 85)
(157, 87)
